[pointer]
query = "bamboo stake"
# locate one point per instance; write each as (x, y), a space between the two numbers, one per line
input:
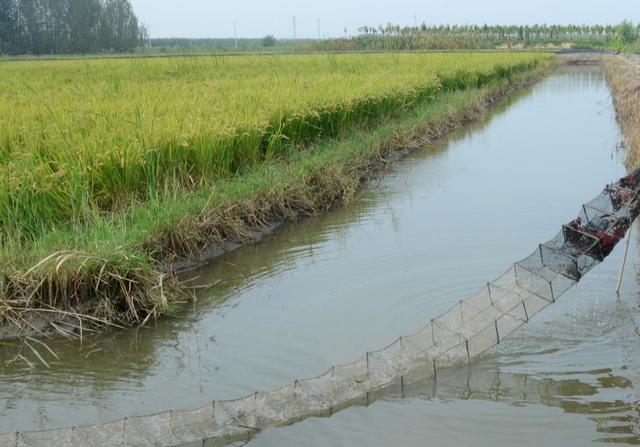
(624, 261)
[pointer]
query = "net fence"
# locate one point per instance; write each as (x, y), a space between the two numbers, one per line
(471, 327)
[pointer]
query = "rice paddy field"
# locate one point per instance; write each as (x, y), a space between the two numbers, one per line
(103, 163)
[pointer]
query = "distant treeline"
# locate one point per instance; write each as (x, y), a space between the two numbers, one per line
(267, 43)
(109, 26)
(424, 37)
(69, 26)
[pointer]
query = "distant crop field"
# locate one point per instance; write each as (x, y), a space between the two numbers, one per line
(86, 136)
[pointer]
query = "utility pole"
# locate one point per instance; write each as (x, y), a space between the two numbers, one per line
(345, 32)
(235, 33)
(294, 27)
(415, 19)
(319, 35)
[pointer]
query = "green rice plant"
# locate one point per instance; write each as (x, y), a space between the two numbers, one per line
(84, 137)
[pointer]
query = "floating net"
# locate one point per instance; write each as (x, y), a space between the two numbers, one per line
(471, 327)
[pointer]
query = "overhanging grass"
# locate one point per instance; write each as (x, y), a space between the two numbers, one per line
(113, 265)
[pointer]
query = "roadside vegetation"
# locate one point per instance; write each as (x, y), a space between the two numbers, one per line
(390, 37)
(623, 36)
(624, 78)
(114, 169)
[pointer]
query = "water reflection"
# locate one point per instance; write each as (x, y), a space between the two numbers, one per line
(600, 395)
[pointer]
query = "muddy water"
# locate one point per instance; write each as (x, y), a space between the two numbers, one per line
(441, 223)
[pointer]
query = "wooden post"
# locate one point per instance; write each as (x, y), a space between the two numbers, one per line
(624, 261)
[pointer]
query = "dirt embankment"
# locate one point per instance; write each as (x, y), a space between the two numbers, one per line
(623, 74)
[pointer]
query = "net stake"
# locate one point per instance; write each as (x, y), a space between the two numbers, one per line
(433, 337)
(466, 342)
(624, 261)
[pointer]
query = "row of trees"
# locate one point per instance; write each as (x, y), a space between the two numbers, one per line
(500, 32)
(69, 26)
(395, 37)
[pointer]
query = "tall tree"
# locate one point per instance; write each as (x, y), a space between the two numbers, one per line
(83, 19)
(10, 34)
(56, 28)
(68, 26)
(119, 29)
(31, 21)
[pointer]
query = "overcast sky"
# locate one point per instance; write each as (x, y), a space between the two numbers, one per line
(257, 18)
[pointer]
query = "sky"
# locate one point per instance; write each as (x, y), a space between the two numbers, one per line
(258, 18)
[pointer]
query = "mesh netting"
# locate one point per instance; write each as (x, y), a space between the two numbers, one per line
(471, 327)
